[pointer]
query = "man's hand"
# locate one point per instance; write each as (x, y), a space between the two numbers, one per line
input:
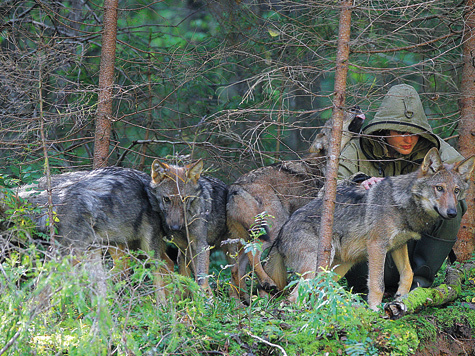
(368, 183)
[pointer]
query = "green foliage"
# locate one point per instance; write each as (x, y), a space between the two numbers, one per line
(330, 306)
(339, 317)
(15, 215)
(224, 81)
(50, 306)
(467, 296)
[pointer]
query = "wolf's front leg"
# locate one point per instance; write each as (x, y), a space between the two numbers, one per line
(256, 265)
(200, 251)
(401, 259)
(376, 258)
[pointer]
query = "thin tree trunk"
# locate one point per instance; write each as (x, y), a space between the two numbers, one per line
(150, 109)
(466, 243)
(44, 143)
(341, 72)
(106, 81)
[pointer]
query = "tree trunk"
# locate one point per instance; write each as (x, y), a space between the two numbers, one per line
(466, 242)
(106, 81)
(341, 72)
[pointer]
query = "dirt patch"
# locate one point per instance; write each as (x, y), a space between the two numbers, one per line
(456, 340)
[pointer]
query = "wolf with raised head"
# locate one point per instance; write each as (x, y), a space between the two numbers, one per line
(193, 208)
(278, 190)
(369, 223)
(109, 207)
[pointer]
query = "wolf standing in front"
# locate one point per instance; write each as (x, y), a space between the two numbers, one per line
(369, 223)
(111, 207)
(194, 212)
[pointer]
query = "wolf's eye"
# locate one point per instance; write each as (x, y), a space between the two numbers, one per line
(166, 199)
(457, 190)
(439, 188)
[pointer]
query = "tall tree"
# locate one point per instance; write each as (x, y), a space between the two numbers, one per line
(341, 73)
(466, 243)
(106, 82)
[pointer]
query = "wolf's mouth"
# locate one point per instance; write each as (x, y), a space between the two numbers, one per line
(451, 213)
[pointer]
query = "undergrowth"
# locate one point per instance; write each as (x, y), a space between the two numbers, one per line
(52, 306)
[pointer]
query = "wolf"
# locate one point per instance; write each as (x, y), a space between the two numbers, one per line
(370, 223)
(278, 190)
(193, 208)
(109, 207)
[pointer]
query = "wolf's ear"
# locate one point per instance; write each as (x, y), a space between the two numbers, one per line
(159, 171)
(465, 167)
(194, 170)
(432, 162)
(318, 144)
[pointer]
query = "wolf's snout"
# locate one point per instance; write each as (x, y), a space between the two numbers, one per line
(451, 213)
(175, 227)
(448, 214)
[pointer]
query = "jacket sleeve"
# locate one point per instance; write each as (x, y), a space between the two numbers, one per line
(349, 160)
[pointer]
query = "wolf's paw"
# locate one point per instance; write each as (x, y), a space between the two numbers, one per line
(270, 288)
(400, 294)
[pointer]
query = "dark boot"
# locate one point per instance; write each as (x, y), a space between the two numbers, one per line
(428, 256)
(429, 253)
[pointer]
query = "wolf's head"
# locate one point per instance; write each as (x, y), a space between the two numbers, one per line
(440, 186)
(176, 189)
(352, 122)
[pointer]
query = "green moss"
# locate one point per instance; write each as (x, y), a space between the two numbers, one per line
(447, 317)
(425, 328)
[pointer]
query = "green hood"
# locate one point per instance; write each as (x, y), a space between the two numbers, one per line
(401, 110)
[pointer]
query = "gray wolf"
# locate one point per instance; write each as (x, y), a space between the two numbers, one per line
(370, 223)
(278, 190)
(193, 208)
(112, 207)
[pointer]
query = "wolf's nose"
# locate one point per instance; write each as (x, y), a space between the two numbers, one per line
(451, 213)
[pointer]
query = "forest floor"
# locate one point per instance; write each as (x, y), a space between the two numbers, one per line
(52, 307)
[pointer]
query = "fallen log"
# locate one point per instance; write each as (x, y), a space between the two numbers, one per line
(420, 298)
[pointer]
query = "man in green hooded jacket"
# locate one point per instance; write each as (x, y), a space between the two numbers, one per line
(395, 142)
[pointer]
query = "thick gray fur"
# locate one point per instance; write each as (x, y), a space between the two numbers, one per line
(193, 209)
(100, 207)
(369, 223)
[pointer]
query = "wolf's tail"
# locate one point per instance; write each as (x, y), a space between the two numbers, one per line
(276, 269)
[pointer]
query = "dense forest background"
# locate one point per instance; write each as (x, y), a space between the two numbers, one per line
(240, 84)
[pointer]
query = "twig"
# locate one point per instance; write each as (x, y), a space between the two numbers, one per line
(10, 343)
(266, 342)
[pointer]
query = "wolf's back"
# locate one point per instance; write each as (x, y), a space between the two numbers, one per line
(110, 204)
